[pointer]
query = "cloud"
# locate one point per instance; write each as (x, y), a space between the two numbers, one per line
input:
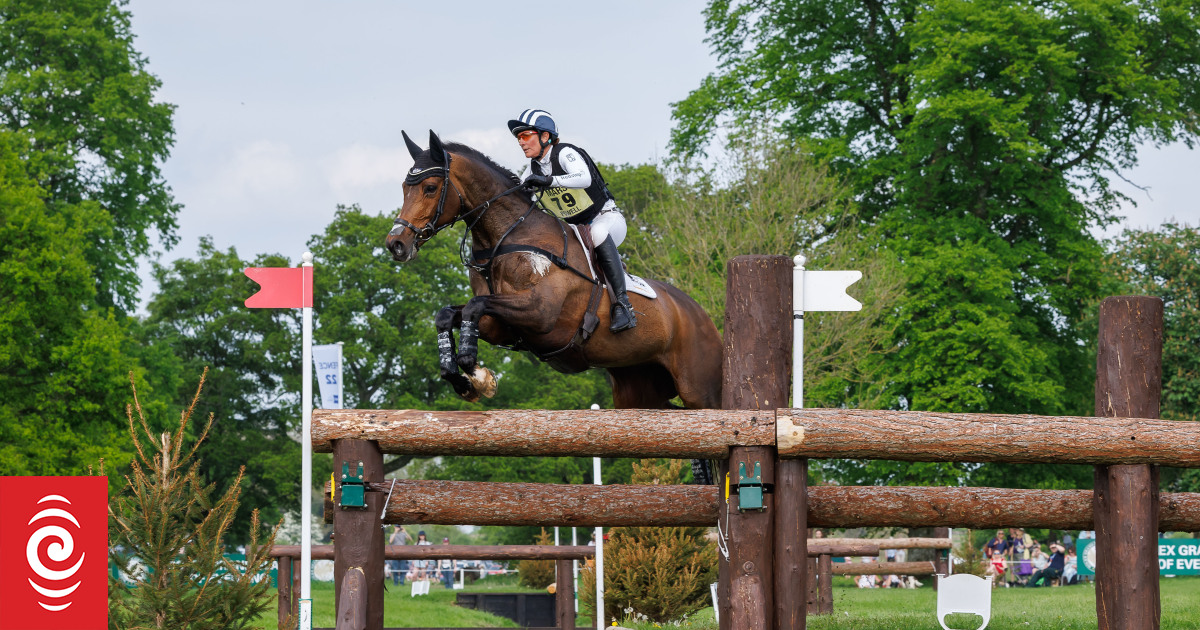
(353, 168)
(258, 168)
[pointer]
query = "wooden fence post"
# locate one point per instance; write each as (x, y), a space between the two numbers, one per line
(757, 360)
(941, 559)
(283, 582)
(1126, 506)
(358, 537)
(564, 595)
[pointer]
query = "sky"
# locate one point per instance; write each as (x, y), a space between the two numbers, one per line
(287, 109)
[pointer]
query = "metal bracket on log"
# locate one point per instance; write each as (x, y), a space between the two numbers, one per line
(353, 488)
(750, 489)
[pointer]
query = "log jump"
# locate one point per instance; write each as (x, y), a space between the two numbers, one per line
(763, 564)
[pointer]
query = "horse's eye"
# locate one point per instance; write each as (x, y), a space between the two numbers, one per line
(430, 189)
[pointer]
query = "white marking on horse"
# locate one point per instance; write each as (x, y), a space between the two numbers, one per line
(540, 264)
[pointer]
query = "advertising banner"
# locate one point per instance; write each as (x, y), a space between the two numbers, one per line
(1176, 556)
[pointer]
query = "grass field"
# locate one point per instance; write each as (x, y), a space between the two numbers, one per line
(1065, 608)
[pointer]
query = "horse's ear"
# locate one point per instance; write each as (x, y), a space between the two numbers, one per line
(436, 150)
(413, 149)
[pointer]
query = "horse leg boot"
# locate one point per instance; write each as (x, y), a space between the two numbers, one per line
(444, 322)
(482, 380)
(610, 262)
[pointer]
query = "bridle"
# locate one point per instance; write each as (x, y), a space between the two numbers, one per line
(431, 229)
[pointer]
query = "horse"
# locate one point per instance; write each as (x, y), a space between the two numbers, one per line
(533, 290)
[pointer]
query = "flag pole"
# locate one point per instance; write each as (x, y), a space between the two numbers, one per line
(306, 457)
(798, 332)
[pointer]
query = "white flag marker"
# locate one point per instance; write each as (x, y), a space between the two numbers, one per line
(815, 291)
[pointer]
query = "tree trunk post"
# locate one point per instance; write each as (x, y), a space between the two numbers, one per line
(283, 582)
(1126, 500)
(941, 561)
(825, 584)
(564, 595)
(757, 361)
(358, 535)
(812, 592)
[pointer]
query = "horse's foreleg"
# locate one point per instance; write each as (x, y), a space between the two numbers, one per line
(445, 321)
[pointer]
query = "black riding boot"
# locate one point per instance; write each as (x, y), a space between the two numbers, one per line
(610, 262)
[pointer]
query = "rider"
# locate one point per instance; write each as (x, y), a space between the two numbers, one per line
(567, 184)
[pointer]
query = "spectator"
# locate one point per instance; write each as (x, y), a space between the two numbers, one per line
(1070, 570)
(997, 568)
(422, 565)
(1067, 541)
(892, 581)
(1054, 567)
(447, 566)
(1088, 534)
(998, 543)
(890, 554)
(1039, 559)
(398, 568)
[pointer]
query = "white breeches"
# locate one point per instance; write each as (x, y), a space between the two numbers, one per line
(608, 224)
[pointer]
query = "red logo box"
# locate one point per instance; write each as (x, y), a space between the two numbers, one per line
(54, 553)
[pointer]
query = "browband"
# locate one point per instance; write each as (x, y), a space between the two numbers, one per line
(417, 175)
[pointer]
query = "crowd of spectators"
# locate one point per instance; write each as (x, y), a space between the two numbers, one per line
(1017, 559)
(419, 570)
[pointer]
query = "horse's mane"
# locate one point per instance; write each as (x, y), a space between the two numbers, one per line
(487, 161)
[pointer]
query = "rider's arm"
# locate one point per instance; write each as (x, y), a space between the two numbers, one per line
(577, 173)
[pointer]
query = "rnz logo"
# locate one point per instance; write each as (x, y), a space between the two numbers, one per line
(58, 527)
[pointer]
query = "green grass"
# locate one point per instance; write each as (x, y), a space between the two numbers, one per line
(401, 610)
(1064, 608)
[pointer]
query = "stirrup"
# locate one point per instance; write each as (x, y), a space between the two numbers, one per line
(622, 317)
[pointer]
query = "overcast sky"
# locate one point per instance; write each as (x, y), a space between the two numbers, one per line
(287, 109)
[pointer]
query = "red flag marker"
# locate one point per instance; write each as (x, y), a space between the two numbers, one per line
(282, 287)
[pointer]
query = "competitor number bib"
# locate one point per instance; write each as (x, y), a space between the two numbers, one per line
(564, 202)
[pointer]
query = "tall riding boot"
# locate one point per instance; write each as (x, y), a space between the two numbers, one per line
(610, 262)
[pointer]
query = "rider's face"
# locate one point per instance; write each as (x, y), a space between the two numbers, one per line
(531, 143)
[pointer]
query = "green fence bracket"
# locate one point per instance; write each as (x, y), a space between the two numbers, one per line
(750, 489)
(353, 488)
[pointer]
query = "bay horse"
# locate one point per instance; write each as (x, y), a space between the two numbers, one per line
(533, 290)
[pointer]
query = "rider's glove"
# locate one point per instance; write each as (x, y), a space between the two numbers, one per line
(537, 182)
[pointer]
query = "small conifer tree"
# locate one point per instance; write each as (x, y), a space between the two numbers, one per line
(537, 573)
(167, 539)
(660, 573)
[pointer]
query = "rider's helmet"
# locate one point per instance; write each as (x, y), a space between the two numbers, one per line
(537, 119)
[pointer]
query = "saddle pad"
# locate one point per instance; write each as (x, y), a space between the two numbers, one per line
(633, 283)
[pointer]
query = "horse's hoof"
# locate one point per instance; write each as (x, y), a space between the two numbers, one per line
(483, 381)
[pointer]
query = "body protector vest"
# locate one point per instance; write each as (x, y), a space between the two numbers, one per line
(573, 205)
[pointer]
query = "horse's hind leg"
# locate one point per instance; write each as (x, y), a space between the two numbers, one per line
(445, 321)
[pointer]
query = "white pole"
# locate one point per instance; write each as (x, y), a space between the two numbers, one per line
(306, 466)
(341, 379)
(575, 568)
(599, 553)
(798, 332)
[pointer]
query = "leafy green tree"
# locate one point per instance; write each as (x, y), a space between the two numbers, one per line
(253, 362)
(978, 135)
(63, 364)
(1166, 263)
(71, 80)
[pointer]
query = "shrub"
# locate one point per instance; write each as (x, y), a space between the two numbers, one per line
(167, 536)
(537, 573)
(662, 573)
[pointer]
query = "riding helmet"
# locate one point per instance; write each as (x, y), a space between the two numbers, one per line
(536, 119)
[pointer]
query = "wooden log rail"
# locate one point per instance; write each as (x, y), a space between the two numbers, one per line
(680, 434)
(526, 504)
(922, 436)
(884, 568)
(817, 433)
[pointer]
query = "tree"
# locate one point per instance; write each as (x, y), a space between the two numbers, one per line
(978, 136)
(253, 362)
(168, 519)
(1163, 263)
(63, 364)
(72, 82)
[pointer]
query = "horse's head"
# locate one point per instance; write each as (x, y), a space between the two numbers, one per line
(424, 212)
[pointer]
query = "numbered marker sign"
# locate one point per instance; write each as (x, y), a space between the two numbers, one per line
(328, 360)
